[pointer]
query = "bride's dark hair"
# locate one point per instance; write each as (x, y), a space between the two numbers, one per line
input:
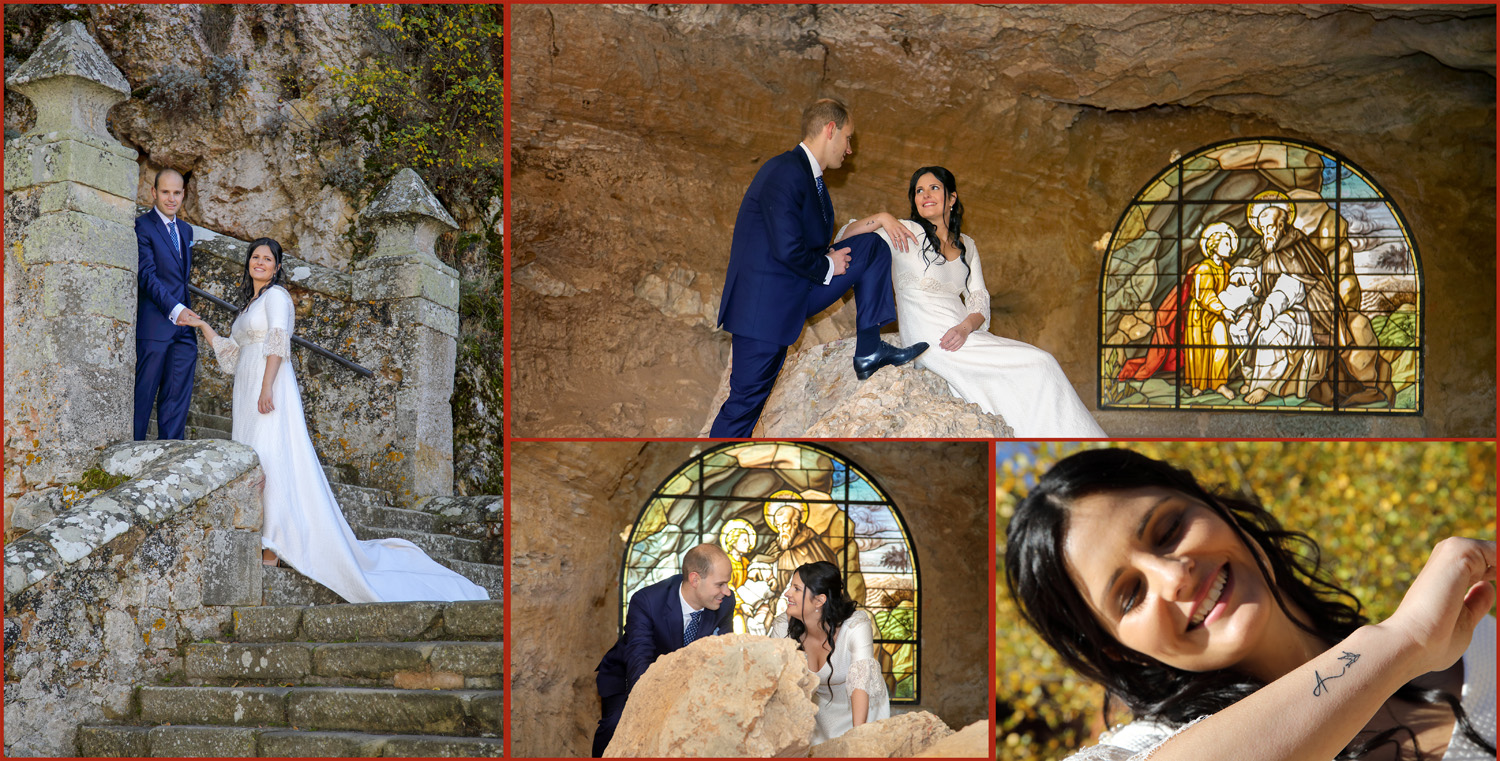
(822, 578)
(955, 216)
(245, 293)
(1038, 578)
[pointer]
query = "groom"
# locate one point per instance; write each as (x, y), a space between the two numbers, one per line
(782, 271)
(663, 618)
(166, 349)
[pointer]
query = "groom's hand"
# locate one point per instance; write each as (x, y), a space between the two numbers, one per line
(840, 258)
(186, 316)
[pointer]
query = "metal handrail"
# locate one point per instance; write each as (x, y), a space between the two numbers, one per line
(304, 343)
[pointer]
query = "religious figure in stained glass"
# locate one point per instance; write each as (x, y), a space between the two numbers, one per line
(773, 507)
(1299, 288)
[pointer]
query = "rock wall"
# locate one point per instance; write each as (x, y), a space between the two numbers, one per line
(636, 130)
(571, 501)
(108, 595)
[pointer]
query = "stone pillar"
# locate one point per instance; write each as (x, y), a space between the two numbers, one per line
(421, 293)
(70, 273)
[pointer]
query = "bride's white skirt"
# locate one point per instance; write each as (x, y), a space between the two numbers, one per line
(303, 523)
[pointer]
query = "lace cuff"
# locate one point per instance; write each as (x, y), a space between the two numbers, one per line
(865, 675)
(1133, 742)
(227, 352)
(978, 303)
(278, 342)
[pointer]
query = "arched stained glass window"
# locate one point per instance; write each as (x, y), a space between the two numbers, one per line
(774, 506)
(1262, 274)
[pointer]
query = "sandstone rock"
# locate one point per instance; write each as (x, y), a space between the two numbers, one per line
(901, 736)
(730, 695)
(973, 741)
(818, 395)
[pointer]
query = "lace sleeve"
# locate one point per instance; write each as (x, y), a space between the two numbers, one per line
(227, 352)
(976, 295)
(864, 670)
(279, 316)
(778, 626)
(1137, 741)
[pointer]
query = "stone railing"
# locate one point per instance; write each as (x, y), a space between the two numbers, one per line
(106, 595)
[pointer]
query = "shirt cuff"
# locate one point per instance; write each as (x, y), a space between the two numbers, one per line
(829, 277)
(176, 311)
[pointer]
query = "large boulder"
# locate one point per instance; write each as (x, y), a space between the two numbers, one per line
(973, 741)
(818, 394)
(901, 736)
(730, 695)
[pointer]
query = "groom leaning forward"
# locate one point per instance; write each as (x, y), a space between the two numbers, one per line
(663, 618)
(166, 350)
(782, 271)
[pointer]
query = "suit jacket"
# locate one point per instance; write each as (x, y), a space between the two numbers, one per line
(778, 254)
(163, 277)
(653, 628)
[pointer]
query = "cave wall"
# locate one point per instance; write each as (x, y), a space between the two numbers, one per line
(635, 130)
(570, 503)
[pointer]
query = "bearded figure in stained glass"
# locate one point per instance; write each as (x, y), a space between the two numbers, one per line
(1298, 318)
(1206, 331)
(800, 543)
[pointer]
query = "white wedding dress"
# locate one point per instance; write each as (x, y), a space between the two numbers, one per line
(852, 666)
(302, 521)
(1015, 380)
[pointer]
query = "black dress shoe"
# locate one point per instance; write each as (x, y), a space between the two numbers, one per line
(886, 354)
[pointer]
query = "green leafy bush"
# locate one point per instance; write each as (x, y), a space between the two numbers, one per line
(1376, 508)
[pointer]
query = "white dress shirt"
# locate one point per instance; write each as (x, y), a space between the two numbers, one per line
(817, 170)
(687, 611)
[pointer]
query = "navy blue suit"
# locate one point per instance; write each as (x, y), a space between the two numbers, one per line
(653, 628)
(777, 262)
(166, 354)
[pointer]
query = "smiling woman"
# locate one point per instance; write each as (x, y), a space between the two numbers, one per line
(1213, 624)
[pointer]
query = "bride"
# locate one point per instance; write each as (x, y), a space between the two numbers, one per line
(840, 645)
(1015, 380)
(302, 523)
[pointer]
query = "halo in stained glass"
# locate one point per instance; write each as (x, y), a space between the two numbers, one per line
(773, 506)
(1274, 275)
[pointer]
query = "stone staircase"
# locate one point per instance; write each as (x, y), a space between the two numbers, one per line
(374, 679)
(308, 675)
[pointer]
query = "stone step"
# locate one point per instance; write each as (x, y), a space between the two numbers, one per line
(360, 495)
(477, 509)
(189, 741)
(379, 517)
(363, 709)
(470, 620)
(436, 545)
(285, 586)
(491, 577)
(405, 665)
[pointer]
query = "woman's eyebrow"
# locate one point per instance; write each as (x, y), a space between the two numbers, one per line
(1140, 532)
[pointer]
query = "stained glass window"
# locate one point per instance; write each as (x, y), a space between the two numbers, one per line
(774, 506)
(1263, 274)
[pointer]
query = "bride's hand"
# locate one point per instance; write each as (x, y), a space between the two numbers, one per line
(264, 405)
(1446, 601)
(954, 339)
(897, 232)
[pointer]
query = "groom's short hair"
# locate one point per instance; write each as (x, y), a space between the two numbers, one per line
(700, 559)
(156, 181)
(822, 112)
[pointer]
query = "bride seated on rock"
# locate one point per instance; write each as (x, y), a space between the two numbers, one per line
(941, 300)
(839, 642)
(302, 523)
